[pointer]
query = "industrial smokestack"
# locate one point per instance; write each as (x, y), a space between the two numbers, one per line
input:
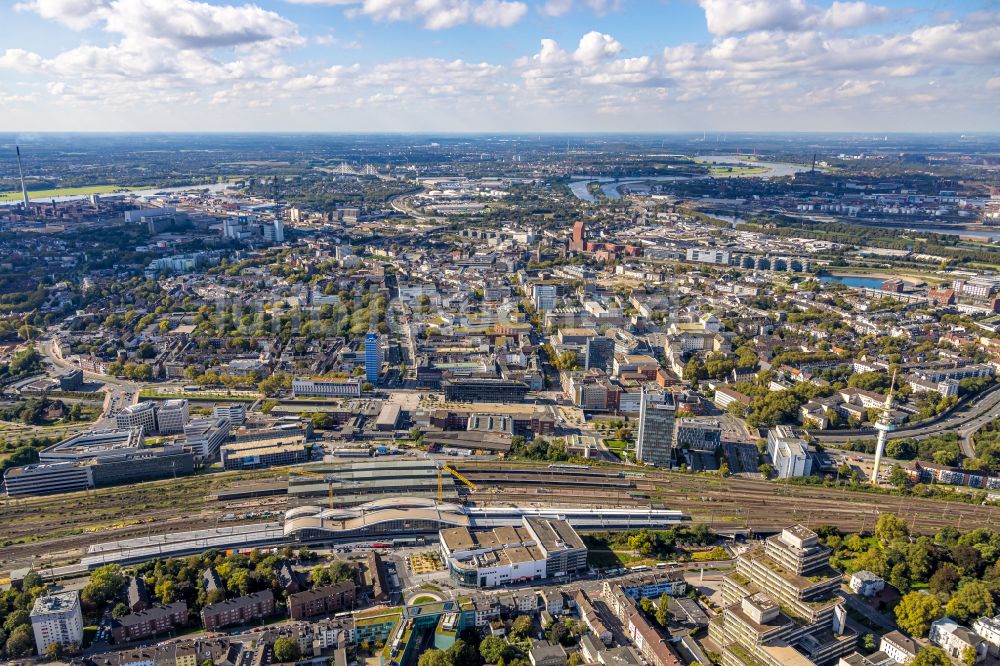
(20, 172)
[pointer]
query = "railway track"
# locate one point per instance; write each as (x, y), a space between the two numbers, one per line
(733, 501)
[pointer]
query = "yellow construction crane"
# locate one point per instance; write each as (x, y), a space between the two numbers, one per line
(455, 474)
(317, 474)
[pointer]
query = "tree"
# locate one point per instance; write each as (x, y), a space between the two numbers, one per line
(521, 627)
(433, 657)
(931, 656)
(694, 370)
(972, 600)
(322, 421)
(462, 653)
(766, 469)
(105, 584)
(21, 642)
(165, 591)
(492, 649)
(338, 571)
(120, 610)
(890, 527)
(916, 611)
(14, 620)
(558, 632)
(286, 649)
(899, 577)
(53, 651)
(944, 580)
(239, 582)
(898, 477)
(868, 642)
(663, 610)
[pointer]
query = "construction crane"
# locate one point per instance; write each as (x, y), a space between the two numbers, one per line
(316, 474)
(455, 474)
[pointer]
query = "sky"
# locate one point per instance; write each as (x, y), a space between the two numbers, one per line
(500, 65)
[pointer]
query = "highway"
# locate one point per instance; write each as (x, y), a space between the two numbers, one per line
(964, 421)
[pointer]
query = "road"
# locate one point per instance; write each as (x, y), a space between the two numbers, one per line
(965, 421)
(122, 392)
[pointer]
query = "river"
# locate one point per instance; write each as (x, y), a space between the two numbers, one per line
(609, 186)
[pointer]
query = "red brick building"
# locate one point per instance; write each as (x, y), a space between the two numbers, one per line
(322, 600)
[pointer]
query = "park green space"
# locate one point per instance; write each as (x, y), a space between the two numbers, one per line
(62, 192)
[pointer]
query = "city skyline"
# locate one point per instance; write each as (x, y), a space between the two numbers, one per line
(499, 66)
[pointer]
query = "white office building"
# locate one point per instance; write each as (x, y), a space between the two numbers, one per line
(172, 416)
(141, 415)
(707, 255)
(789, 453)
(236, 412)
(56, 618)
(205, 436)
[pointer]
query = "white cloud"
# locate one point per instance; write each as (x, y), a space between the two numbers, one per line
(76, 14)
(498, 14)
(855, 88)
(181, 23)
(189, 24)
(728, 17)
(725, 17)
(556, 7)
(843, 15)
(595, 47)
(435, 14)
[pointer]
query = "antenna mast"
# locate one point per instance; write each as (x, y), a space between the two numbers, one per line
(884, 427)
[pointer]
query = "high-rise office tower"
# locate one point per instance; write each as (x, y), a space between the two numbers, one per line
(374, 355)
(600, 353)
(655, 441)
(579, 241)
